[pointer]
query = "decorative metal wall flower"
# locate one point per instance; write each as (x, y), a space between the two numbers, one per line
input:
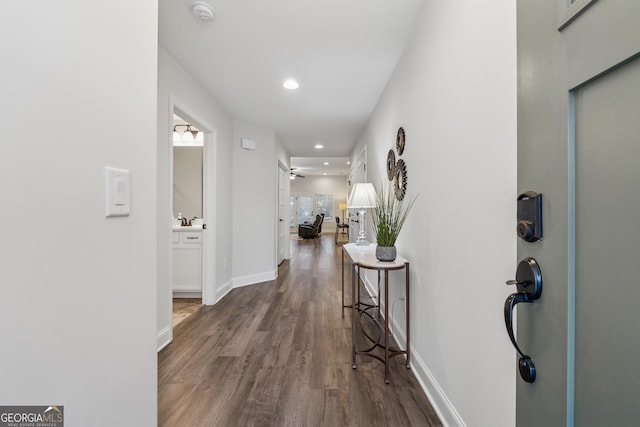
(400, 137)
(401, 179)
(391, 165)
(396, 169)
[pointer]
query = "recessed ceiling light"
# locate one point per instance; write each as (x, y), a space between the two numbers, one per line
(324, 173)
(326, 163)
(290, 84)
(319, 146)
(348, 163)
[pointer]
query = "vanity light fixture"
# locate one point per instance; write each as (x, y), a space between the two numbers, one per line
(291, 84)
(187, 137)
(319, 146)
(190, 136)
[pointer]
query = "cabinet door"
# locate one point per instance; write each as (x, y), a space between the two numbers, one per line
(187, 268)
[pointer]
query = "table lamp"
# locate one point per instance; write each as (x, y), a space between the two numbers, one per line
(363, 196)
(342, 207)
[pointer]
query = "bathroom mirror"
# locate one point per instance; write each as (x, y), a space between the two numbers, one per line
(187, 181)
(188, 156)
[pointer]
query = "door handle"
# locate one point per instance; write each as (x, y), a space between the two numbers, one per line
(529, 285)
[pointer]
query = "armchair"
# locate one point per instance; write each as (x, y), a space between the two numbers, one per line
(307, 231)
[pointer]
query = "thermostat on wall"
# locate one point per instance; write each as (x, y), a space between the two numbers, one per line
(248, 144)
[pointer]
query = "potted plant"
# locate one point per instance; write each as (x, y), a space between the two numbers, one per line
(388, 218)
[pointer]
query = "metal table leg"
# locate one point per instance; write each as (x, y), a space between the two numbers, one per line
(353, 314)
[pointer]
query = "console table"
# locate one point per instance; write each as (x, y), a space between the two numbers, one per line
(364, 257)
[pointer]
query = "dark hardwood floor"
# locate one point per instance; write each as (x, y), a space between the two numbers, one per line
(279, 354)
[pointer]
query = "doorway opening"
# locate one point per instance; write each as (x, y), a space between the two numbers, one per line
(187, 166)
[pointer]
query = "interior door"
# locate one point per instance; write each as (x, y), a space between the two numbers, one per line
(283, 213)
(579, 145)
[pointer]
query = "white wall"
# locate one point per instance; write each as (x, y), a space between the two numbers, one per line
(454, 92)
(330, 184)
(281, 155)
(78, 293)
(176, 86)
(255, 184)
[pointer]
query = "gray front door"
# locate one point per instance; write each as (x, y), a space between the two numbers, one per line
(579, 145)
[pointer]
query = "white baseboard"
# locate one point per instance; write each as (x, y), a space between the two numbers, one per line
(187, 294)
(164, 337)
(252, 279)
(224, 290)
(439, 400)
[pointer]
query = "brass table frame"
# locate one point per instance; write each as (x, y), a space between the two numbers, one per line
(363, 257)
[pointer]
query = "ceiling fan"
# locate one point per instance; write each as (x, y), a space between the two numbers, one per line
(295, 175)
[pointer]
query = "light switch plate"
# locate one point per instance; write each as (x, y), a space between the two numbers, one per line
(116, 192)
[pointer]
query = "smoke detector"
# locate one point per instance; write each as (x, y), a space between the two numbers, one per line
(203, 11)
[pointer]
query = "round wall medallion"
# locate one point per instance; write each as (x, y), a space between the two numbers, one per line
(400, 141)
(401, 179)
(391, 165)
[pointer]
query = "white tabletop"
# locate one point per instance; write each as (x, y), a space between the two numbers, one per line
(365, 256)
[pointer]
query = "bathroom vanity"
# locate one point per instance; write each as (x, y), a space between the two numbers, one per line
(187, 261)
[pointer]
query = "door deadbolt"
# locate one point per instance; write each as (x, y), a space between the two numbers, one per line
(529, 226)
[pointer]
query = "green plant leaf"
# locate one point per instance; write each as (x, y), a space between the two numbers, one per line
(389, 215)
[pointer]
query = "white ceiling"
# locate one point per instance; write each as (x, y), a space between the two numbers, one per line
(317, 166)
(342, 53)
